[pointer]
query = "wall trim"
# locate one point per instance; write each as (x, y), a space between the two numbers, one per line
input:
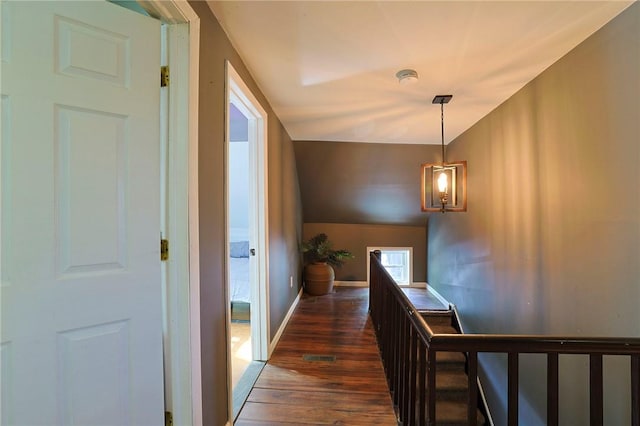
(350, 284)
(183, 306)
(243, 98)
(285, 321)
(366, 284)
(439, 296)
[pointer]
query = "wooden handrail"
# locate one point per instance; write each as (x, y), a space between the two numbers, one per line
(408, 348)
(536, 344)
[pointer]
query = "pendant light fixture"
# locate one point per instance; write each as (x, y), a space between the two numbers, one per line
(444, 184)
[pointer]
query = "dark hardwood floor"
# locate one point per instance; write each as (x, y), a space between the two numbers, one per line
(325, 370)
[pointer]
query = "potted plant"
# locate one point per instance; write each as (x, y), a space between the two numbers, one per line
(320, 259)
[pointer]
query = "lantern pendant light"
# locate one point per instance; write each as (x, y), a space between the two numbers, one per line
(444, 184)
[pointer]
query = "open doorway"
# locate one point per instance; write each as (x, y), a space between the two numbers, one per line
(239, 242)
(247, 276)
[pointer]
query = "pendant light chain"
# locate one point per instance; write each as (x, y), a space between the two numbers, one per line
(442, 129)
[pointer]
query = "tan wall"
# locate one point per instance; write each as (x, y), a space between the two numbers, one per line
(551, 241)
(356, 238)
(285, 223)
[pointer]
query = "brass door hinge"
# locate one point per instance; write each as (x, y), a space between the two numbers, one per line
(164, 76)
(168, 418)
(164, 249)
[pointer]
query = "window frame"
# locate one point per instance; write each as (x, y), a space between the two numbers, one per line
(409, 265)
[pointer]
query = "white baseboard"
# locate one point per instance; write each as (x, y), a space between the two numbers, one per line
(351, 284)
(366, 284)
(440, 297)
(287, 317)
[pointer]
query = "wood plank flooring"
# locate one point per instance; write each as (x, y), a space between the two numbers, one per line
(351, 390)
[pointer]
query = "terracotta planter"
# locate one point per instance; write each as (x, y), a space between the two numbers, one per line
(318, 279)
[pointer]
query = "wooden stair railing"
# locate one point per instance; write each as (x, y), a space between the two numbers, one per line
(410, 349)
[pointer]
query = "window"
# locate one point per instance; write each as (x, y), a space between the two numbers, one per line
(397, 261)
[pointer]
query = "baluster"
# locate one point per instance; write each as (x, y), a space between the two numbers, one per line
(431, 387)
(402, 366)
(399, 363)
(384, 333)
(374, 303)
(595, 389)
(389, 336)
(407, 384)
(396, 352)
(422, 394)
(635, 390)
(411, 418)
(472, 416)
(393, 349)
(512, 407)
(552, 389)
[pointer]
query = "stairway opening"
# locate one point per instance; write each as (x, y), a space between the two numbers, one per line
(452, 383)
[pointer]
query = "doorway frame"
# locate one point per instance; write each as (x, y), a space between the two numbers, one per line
(236, 90)
(182, 313)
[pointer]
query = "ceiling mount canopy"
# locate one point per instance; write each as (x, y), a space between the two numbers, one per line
(444, 184)
(441, 99)
(407, 76)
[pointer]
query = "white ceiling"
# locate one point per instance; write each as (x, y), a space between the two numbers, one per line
(328, 68)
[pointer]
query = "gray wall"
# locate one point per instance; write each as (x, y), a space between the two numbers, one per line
(365, 194)
(365, 183)
(356, 238)
(285, 222)
(551, 240)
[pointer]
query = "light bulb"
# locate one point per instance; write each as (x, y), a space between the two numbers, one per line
(442, 183)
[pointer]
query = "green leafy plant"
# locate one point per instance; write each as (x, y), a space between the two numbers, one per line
(319, 249)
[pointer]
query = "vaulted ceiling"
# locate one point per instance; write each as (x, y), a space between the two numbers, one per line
(328, 68)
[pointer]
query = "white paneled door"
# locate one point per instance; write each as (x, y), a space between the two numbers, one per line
(81, 337)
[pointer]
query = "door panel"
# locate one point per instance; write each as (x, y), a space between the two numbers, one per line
(91, 183)
(81, 293)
